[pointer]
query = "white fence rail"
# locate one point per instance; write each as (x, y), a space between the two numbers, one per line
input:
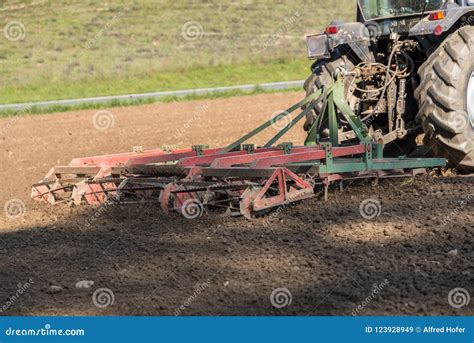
(156, 95)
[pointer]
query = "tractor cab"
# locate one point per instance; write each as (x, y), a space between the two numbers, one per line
(396, 16)
(394, 9)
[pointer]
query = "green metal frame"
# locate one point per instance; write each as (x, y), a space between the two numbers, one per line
(306, 101)
(334, 104)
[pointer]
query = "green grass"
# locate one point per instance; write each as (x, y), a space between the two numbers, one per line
(200, 77)
(74, 49)
(126, 103)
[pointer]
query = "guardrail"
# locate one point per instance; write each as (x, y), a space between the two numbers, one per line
(156, 95)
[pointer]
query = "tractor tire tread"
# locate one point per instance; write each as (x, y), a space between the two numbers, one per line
(441, 99)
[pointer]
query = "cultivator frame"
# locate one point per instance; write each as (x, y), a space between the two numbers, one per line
(241, 178)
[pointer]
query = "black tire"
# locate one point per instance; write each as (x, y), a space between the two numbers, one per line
(323, 71)
(442, 99)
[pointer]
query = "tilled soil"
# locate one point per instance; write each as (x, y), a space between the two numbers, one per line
(316, 258)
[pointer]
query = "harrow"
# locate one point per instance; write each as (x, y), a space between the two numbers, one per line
(240, 179)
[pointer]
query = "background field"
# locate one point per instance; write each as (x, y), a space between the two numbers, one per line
(75, 49)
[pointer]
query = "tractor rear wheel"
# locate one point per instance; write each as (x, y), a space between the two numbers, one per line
(446, 100)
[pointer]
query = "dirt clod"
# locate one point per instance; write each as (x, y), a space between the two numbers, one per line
(54, 289)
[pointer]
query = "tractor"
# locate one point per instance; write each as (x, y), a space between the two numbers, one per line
(409, 67)
(403, 71)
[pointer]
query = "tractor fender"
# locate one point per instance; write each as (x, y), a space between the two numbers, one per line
(454, 18)
(356, 36)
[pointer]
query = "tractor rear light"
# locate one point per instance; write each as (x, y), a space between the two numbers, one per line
(438, 31)
(332, 30)
(318, 46)
(437, 16)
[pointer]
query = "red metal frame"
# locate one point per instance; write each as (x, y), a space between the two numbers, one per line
(209, 159)
(264, 178)
(257, 199)
(228, 161)
(174, 156)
